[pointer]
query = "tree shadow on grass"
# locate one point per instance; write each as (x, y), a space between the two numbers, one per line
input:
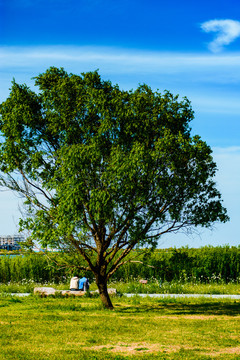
(206, 308)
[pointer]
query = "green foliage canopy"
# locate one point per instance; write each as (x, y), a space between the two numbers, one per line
(104, 170)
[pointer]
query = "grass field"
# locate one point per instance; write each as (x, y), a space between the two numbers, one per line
(138, 328)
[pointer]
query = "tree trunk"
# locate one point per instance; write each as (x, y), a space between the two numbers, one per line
(102, 287)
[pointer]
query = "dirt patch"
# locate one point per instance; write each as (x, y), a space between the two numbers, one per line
(194, 317)
(147, 348)
(181, 317)
(136, 348)
(233, 350)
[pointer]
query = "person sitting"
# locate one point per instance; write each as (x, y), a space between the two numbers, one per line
(83, 284)
(74, 283)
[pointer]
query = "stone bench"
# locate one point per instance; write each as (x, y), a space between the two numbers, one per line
(46, 291)
(111, 291)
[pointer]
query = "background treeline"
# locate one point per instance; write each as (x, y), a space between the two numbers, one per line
(206, 264)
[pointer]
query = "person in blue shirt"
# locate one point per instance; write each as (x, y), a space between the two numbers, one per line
(83, 284)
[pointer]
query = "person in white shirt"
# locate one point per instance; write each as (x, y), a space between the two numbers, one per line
(74, 283)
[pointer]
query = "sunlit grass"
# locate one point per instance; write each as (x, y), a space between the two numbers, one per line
(70, 328)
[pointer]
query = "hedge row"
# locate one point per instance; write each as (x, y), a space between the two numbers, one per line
(206, 264)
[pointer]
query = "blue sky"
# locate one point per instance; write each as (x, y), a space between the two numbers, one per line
(190, 48)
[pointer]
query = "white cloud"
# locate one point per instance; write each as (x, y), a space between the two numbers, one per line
(215, 104)
(165, 68)
(227, 31)
(176, 71)
(119, 59)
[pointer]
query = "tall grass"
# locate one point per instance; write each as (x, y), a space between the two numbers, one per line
(26, 267)
(185, 265)
(205, 264)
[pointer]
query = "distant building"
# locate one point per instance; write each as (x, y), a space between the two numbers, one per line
(11, 242)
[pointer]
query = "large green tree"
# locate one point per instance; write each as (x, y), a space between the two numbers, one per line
(104, 170)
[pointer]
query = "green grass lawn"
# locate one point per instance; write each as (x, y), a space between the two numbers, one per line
(138, 328)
